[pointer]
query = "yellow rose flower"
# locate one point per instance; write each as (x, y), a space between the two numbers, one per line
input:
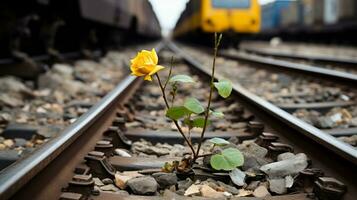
(145, 64)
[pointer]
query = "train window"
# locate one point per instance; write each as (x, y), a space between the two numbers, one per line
(231, 3)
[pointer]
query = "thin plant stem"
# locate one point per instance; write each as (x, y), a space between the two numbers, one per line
(173, 93)
(175, 122)
(204, 155)
(167, 81)
(162, 90)
(173, 98)
(189, 129)
(170, 73)
(216, 44)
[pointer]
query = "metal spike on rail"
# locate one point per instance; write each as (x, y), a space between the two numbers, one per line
(104, 146)
(71, 196)
(256, 127)
(265, 139)
(277, 148)
(116, 137)
(307, 177)
(99, 165)
(82, 184)
(327, 188)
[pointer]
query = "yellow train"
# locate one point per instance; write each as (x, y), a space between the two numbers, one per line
(209, 16)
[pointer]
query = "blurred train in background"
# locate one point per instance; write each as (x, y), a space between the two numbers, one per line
(314, 20)
(36, 27)
(300, 20)
(233, 17)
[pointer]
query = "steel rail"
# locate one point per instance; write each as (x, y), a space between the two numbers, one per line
(20, 173)
(328, 74)
(318, 58)
(340, 148)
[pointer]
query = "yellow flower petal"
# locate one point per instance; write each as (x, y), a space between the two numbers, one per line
(148, 57)
(147, 78)
(137, 74)
(156, 69)
(135, 71)
(154, 56)
(145, 64)
(146, 69)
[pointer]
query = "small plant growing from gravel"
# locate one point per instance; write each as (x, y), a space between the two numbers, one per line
(192, 113)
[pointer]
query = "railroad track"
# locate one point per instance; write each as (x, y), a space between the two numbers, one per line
(67, 165)
(341, 64)
(316, 58)
(291, 93)
(307, 69)
(33, 111)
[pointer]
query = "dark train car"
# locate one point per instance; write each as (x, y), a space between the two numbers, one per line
(47, 26)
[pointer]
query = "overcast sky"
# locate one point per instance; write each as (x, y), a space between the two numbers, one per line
(168, 11)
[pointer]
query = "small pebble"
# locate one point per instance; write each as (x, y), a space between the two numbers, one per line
(107, 181)
(109, 187)
(2, 146)
(97, 182)
(9, 143)
(29, 144)
(38, 141)
(95, 191)
(261, 192)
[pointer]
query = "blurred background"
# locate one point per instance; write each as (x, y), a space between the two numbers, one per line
(325, 21)
(52, 27)
(169, 12)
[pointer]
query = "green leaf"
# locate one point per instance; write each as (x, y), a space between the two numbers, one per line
(227, 160)
(194, 106)
(187, 121)
(219, 141)
(177, 112)
(181, 78)
(199, 122)
(224, 88)
(217, 114)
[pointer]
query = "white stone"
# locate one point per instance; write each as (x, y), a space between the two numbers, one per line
(261, 192)
(97, 182)
(193, 189)
(207, 191)
(285, 156)
(283, 168)
(237, 176)
(122, 178)
(122, 153)
(8, 143)
(277, 186)
(289, 181)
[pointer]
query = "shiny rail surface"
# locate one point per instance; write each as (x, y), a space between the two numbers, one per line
(327, 74)
(317, 58)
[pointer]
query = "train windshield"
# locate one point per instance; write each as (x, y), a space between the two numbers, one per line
(231, 3)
